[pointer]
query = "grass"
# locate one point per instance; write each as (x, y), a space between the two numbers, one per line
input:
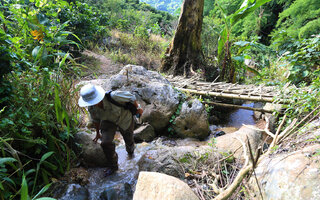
(129, 49)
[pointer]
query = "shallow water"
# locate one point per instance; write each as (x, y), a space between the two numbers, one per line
(126, 177)
(238, 118)
(241, 116)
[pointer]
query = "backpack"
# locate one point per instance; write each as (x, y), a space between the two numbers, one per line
(128, 105)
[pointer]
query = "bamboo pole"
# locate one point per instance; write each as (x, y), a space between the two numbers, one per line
(259, 98)
(237, 106)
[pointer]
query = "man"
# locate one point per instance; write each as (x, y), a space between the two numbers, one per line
(108, 115)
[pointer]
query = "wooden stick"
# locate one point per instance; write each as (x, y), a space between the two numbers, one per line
(275, 139)
(237, 106)
(234, 185)
(231, 96)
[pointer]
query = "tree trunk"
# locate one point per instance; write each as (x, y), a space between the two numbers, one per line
(184, 53)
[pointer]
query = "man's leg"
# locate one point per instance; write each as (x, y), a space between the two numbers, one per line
(128, 138)
(108, 130)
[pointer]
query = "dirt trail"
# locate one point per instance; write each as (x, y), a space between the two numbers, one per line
(105, 68)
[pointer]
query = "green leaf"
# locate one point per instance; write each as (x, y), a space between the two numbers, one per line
(305, 73)
(246, 10)
(63, 60)
(6, 159)
(43, 19)
(43, 190)
(242, 43)
(9, 180)
(24, 189)
(253, 70)
(222, 41)
(2, 109)
(238, 58)
(45, 156)
(35, 52)
(50, 165)
(57, 104)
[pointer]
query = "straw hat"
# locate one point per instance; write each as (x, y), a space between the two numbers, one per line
(90, 95)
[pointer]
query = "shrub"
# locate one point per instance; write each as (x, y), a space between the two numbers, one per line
(36, 119)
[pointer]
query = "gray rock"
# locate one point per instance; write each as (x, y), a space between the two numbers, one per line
(76, 191)
(213, 119)
(258, 115)
(287, 176)
(92, 153)
(124, 192)
(230, 142)
(192, 121)
(155, 93)
(218, 133)
(154, 186)
(272, 118)
(213, 128)
(164, 159)
(159, 100)
(144, 133)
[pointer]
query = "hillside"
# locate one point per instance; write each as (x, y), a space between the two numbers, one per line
(170, 6)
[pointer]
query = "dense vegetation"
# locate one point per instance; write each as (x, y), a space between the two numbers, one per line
(39, 41)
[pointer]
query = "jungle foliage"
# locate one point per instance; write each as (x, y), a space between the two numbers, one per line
(274, 28)
(40, 40)
(37, 117)
(278, 42)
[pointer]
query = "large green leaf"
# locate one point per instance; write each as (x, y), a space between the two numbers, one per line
(246, 9)
(45, 156)
(36, 51)
(222, 41)
(6, 159)
(43, 19)
(43, 190)
(24, 189)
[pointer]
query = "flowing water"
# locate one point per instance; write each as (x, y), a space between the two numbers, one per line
(123, 182)
(101, 187)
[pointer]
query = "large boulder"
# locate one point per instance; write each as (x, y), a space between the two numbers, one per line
(156, 94)
(287, 176)
(232, 142)
(157, 186)
(192, 121)
(159, 100)
(144, 133)
(92, 153)
(165, 159)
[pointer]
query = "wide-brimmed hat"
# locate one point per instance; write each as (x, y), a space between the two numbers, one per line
(90, 95)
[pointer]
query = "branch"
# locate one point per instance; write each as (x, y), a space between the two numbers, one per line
(237, 106)
(231, 96)
(228, 192)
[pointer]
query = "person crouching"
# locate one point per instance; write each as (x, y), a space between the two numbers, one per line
(108, 117)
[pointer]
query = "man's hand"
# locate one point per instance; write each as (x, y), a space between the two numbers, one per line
(98, 136)
(139, 111)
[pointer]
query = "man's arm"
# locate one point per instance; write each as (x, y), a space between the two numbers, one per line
(139, 109)
(98, 134)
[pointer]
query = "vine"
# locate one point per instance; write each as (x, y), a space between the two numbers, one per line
(172, 122)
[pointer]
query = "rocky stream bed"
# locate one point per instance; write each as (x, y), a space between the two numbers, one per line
(282, 175)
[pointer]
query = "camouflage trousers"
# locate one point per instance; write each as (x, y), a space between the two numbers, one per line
(108, 130)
